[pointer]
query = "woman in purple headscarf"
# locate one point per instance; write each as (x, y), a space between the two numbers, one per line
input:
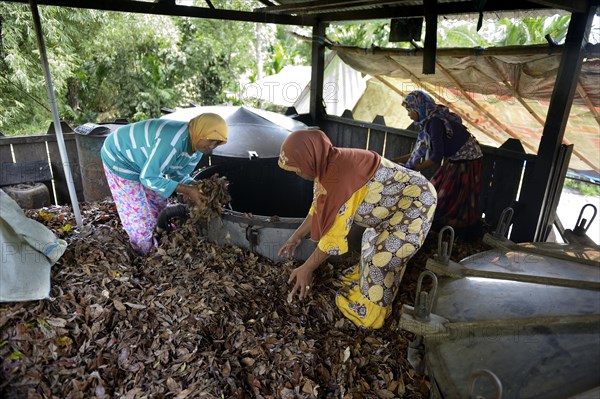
(445, 143)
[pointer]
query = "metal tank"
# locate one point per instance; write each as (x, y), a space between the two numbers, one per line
(519, 321)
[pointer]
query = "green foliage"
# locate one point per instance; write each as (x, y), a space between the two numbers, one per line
(107, 65)
(583, 187)
(362, 35)
(286, 50)
(460, 33)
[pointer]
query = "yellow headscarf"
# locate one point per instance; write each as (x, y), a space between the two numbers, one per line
(207, 126)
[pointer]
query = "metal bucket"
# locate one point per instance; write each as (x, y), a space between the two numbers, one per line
(89, 139)
(268, 204)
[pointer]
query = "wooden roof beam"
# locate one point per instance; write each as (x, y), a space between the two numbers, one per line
(325, 5)
(571, 5)
(168, 8)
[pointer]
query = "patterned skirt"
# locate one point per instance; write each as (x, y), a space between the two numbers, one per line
(397, 211)
(458, 187)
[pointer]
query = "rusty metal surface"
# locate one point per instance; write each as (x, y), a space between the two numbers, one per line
(95, 186)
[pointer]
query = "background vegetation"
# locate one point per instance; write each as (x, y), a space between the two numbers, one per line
(108, 65)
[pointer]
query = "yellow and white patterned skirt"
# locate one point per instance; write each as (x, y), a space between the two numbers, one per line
(397, 213)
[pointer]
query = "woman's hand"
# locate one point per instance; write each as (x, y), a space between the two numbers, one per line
(289, 247)
(197, 197)
(303, 277)
(191, 193)
(303, 274)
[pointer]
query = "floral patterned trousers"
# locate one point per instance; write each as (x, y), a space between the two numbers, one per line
(138, 209)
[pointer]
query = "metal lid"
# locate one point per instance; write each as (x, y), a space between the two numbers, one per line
(252, 132)
(528, 318)
(97, 129)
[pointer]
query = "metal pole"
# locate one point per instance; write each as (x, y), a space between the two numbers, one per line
(57, 127)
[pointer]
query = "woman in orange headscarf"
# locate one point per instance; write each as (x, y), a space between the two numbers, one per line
(395, 204)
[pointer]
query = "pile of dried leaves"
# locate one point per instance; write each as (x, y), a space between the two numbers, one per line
(215, 190)
(194, 320)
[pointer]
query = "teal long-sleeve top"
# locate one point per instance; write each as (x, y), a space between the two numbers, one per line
(156, 152)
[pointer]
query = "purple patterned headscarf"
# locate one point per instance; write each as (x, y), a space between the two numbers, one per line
(426, 108)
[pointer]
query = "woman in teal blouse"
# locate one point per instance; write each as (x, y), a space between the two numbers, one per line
(146, 162)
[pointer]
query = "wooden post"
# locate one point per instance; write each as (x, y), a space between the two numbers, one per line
(317, 108)
(430, 46)
(537, 193)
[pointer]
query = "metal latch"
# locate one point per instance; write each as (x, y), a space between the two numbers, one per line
(484, 373)
(503, 223)
(424, 301)
(580, 228)
(445, 247)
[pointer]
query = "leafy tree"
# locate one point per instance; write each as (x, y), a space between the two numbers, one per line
(286, 49)
(23, 93)
(106, 65)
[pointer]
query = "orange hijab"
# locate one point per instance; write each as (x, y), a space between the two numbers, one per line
(339, 171)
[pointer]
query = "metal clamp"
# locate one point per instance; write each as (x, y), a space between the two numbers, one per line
(484, 373)
(252, 235)
(444, 247)
(580, 227)
(504, 223)
(424, 301)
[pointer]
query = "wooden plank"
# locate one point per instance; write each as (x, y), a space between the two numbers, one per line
(60, 181)
(331, 131)
(347, 134)
(487, 174)
(34, 151)
(358, 138)
(397, 146)
(24, 172)
(376, 140)
(505, 185)
(30, 152)
(5, 151)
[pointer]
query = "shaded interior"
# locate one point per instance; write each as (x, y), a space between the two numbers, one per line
(261, 187)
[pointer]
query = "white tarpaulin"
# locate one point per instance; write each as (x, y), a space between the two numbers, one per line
(29, 249)
(342, 87)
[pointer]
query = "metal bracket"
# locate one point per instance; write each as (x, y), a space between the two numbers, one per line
(444, 247)
(252, 235)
